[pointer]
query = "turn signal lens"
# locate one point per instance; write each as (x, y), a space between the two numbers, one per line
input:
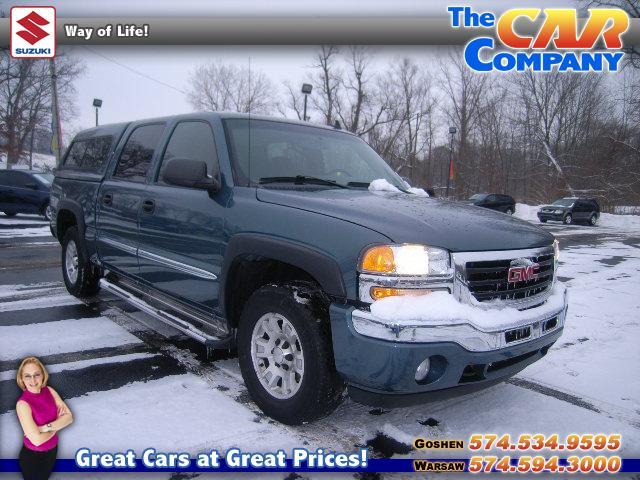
(379, 259)
(378, 293)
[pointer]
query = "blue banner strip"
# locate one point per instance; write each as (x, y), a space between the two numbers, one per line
(389, 465)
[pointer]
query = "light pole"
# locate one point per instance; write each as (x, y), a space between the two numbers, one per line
(452, 132)
(97, 103)
(306, 89)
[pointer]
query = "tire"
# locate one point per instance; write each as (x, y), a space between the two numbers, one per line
(568, 219)
(593, 220)
(80, 277)
(272, 316)
(46, 212)
(10, 214)
(509, 211)
(543, 220)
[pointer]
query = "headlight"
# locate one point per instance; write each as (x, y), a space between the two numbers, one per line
(556, 252)
(410, 260)
(558, 212)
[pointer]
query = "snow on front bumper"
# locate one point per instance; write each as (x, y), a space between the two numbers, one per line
(439, 317)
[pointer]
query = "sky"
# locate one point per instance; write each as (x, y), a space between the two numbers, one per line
(144, 82)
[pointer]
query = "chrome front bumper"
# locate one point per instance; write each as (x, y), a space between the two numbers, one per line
(537, 322)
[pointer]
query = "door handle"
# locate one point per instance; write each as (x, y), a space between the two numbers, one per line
(148, 206)
(107, 198)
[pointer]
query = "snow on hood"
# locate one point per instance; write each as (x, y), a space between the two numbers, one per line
(418, 191)
(382, 185)
(439, 308)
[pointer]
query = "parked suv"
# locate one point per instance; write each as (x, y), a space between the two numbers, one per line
(272, 236)
(571, 210)
(25, 191)
(494, 201)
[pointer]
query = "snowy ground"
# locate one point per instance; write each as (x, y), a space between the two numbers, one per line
(131, 387)
(40, 161)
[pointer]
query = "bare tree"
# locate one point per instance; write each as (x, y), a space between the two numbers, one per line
(359, 105)
(25, 98)
(326, 82)
(465, 92)
(632, 7)
(220, 87)
(294, 101)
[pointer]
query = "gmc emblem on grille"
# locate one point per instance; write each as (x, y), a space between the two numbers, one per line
(522, 270)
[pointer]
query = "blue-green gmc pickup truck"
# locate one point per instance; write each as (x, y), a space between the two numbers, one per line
(266, 235)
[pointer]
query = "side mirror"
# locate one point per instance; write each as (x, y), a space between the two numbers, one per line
(186, 172)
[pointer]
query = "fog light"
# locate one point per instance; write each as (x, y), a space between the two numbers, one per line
(423, 370)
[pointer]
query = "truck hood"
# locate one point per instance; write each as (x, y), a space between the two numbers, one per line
(407, 218)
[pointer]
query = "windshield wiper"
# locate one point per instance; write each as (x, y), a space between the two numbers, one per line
(301, 180)
(359, 184)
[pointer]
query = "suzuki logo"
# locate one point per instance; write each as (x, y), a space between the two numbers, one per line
(33, 33)
(522, 270)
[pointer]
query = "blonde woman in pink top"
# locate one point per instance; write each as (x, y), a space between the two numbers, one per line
(42, 413)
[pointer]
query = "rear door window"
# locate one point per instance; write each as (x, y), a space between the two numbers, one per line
(135, 158)
(76, 154)
(89, 154)
(96, 154)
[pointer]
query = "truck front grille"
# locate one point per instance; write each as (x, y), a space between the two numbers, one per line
(487, 280)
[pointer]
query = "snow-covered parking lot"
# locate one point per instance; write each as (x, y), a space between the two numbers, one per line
(131, 387)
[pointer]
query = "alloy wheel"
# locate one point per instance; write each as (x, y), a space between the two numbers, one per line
(71, 262)
(277, 356)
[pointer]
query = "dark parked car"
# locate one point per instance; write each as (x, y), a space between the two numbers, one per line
(25, 191)
(571, 210)
(494, 201)
(271, 235)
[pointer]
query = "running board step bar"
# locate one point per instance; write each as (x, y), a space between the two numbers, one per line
(209, 340)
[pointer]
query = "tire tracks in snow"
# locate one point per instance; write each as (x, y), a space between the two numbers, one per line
(610, 410)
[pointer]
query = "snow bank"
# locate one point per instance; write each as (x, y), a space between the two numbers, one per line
(527, 212)
(621, 222)
(39, 161)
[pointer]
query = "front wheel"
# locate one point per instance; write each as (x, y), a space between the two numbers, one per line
(285, 354)
(80, 277)
(509, 211)
(593, 220)
(568, 219)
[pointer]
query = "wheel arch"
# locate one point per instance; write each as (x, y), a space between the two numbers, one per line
(254, 260)
(69, 214)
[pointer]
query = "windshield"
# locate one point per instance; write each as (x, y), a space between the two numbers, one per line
(273, 149)
(564, 202)
(45, 178)
(478, 196)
